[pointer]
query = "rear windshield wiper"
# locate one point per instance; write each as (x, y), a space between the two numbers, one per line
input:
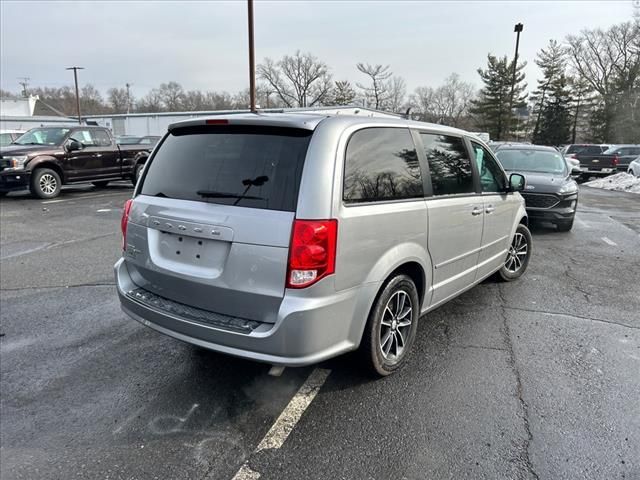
(212, 194)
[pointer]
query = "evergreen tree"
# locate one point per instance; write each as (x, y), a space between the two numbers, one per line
(491, 109)
(551, 99)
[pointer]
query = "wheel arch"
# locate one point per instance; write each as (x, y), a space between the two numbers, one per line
(47, 162)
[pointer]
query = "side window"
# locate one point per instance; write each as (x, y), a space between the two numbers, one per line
(449, 164)
(83, 136)
(491, 176)
(381, 164)
(101, 138)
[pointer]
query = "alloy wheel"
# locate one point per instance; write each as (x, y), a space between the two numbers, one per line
(517, 254)
(48, 184)
(395, 326)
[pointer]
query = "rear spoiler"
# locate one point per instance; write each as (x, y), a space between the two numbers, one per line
(252, 119)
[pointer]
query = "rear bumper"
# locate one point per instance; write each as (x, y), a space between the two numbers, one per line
(10, 181)
(604, 172)
(307, 330)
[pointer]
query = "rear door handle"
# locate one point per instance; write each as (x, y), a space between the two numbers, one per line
(490, 209)
(476, 211)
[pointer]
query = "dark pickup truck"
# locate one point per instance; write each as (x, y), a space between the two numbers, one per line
(44, 159)
(613, 160)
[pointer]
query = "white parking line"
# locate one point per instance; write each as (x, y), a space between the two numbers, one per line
(75, 199)
(287, 420)
(610, 242)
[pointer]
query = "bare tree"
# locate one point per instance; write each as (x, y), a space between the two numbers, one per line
(151, 102)
(118, 100)
(397, 91)
(299, 80)
(609, 61)
(172, 96)
(375, 94)
(448, 104)
(91, 100)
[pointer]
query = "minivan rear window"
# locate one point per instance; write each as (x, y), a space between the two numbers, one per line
(247, 166)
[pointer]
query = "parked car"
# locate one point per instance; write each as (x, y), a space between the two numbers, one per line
(44, 159)
(615, 159)
(583, 148)
(7, 137)
(625, 154)
(133, 140)
(634, 167)
(293, 238)
(551, 194)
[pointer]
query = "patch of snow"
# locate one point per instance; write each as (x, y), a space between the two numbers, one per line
(620, 182)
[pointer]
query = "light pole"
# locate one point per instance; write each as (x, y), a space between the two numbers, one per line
(75, 77)
(252, 59)
(517, 29)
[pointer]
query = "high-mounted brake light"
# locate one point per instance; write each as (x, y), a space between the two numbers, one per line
(124, 221)
(312, 253)
(217, 122)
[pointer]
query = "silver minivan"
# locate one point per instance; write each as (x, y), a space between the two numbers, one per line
(293, 238)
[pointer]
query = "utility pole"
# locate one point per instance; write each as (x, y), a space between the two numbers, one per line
(252, 59)
(75, 77)
(25, 84)
(128, 85)
(517, 29)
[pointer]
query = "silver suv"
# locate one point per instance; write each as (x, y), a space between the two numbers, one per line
(293, 238)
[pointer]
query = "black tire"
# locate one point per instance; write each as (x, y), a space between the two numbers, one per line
(383, 323)
(45, 183)
(515, 263)
(565, 226)
(137, 171)
(100, 184)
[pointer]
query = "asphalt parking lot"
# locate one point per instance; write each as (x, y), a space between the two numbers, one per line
(534, 379)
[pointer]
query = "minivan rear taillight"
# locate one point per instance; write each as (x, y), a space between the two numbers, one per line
(312, 253)
(124, 221)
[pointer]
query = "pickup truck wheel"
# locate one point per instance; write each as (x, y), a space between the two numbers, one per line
(100, 184)
(45, 183)
(391, 327)
(137, 171)
(565, 226)
(518, 255)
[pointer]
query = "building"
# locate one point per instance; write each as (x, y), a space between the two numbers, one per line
(140, 124)
(26, 113)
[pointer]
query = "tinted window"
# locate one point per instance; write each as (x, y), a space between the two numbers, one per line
(449, 164)
(381, 164)
(5, 139)
(101, 138)
(232, 165)
(491, 176)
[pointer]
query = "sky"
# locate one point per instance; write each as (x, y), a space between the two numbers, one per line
(203, 44)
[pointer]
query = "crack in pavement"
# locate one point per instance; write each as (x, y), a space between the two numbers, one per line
(480, 347)
(572, 315)
(523, 404)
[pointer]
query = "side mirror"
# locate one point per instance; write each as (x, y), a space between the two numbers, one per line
(517, 182)
(576, 171)
(74, 145)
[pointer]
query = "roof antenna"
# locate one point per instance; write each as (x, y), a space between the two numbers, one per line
(407, 114)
